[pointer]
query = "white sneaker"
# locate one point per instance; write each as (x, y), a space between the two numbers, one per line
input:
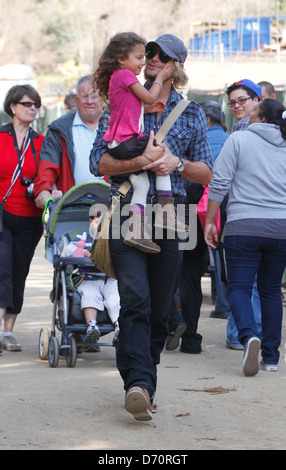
(250, 364)
(92, 332)
(10, 344)
(268, 367)
(116, 330)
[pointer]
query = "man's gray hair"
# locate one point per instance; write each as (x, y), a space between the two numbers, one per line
(85, 78)
(213, 111)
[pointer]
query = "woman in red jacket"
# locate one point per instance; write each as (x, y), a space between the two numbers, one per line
(20, 219)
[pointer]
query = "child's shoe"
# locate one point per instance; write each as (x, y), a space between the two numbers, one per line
(166, 217)
(116, 329)
(116, 333)
(138, 237)
(92, 332)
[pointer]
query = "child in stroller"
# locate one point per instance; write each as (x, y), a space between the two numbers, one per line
(97, 291)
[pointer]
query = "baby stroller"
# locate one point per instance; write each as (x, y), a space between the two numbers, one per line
(67, 218)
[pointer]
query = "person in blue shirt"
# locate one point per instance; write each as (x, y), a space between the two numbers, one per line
(216, 132)
(146, 282)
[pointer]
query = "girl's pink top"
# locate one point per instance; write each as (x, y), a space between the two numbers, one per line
(126, 119)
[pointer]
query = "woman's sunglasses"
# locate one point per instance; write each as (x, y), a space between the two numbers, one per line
(150, 53)
(29, 104)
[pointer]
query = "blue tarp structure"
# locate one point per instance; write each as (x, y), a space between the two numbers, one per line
(248, 35)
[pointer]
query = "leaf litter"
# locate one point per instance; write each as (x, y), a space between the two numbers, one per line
(212, 390)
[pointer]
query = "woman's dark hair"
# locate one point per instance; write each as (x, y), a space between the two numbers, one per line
(16, 93)
(271, 110)
(119, 47)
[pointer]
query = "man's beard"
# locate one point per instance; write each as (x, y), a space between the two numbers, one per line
(148, 76)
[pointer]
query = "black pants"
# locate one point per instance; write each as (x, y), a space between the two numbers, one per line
(18, 241)
(146, 285)
(130, 148)
(191, 295)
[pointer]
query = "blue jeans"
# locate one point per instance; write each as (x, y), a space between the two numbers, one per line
(247, 256)
(147, 284)
(231, 330)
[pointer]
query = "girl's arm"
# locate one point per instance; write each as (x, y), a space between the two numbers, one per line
(150, 96)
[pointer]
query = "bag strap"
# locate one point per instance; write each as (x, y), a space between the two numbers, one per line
(171, 119)
(124, 188)
(21, 159)
(121, 192)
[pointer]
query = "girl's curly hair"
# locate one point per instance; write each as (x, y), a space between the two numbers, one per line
(119, 47)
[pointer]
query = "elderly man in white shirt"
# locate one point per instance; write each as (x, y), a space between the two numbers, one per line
(64, 159)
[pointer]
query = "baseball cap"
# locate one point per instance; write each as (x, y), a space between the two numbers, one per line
(172, 46)
(249, 84)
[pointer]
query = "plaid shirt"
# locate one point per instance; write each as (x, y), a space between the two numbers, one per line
(186, 139)
(241, 125)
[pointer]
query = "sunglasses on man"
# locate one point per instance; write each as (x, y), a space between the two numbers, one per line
(165, 58)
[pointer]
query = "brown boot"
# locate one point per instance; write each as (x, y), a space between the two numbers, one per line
(138, 237)
(166, 217)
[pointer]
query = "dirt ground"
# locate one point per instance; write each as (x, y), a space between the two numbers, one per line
(204, 401)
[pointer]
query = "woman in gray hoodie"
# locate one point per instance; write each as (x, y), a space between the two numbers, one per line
(252, 167)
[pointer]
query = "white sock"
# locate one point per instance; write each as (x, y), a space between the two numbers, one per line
(163, 183)
(140, 185)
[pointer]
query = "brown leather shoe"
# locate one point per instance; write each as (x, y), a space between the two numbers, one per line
(138, 403)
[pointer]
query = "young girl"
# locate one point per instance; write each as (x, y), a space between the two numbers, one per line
(116, 81)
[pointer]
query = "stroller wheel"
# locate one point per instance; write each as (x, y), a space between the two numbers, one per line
(71, 356)
(54, 351)
(44, 344)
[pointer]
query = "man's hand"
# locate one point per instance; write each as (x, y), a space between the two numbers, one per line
(153, 152)
(41, 198)
(164, 165)
(57, 194)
